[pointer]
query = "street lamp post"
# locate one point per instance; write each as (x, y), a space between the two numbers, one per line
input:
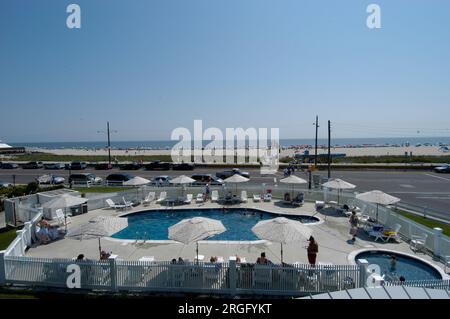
(109, 142)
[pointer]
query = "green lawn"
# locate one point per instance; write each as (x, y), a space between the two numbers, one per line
(6, 238)
(100, 189)
(426, 221)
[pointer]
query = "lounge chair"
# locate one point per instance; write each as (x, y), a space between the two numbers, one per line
(417, 243)
(386, 235)
(188, 199)
(150, 198)
(127, 203)
(298, 200)
(244, 196)
(199, 198)
(62, 220)
(113, 205)
(267, 197)
(214, 196)
(256, 197)
(162, 197)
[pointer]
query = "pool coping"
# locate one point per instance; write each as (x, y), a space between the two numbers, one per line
(203, 242)
(351, 258)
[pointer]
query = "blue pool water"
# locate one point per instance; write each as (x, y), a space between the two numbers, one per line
(153, 225)
(408, 267)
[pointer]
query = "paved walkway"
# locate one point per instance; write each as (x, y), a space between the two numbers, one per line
(331, 234)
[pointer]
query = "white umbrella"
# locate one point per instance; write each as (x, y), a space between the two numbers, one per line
(293, 180)
(182, 180)
(64, 201)
(282, 230)
(235, 179)
(378, 197)
(136, 181)
(338, 184)
(195, 229)
(100, 226)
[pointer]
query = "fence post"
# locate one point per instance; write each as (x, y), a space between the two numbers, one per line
(113, 273)
(437, 242)
(28, 226)
(232, 276)
(363, 275)
(19, 233)
(2, 268)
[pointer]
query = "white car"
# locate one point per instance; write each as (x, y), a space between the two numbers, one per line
(50, 179)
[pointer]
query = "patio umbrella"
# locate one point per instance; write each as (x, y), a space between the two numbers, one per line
(338, 184)
(293, 180)
(136, 181)
(379, 198)
(98, 227)
(194, 229)
(282, 230)
(235, 179)
(64, 201)
(182, 180)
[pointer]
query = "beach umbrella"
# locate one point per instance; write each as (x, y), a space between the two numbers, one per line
(194, 229)
(378, 197)
(293, 180)
(182, 180)
(137, 182)
(98, 227)
(235, 179)
(338, 184)
(282, 230)
(63, 201)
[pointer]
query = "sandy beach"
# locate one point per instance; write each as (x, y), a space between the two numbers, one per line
(349, 151)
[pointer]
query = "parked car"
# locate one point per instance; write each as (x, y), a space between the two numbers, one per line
(9, 165)
(130, 166)
(50, 179)
(203, 179)
(54, 166)
(85, 178)
(228, 173)
(4, 184)
(162, 180)
(118, 178)
(158, 165)
(103, 166)
(33, 165)
(442, 169)
(77, 165)
(183, 167)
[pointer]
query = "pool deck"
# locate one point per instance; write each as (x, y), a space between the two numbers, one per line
(332, 235)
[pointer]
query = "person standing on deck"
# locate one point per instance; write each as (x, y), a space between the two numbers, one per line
(313, 249)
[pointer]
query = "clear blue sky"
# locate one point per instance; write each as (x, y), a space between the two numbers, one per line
(151, 66)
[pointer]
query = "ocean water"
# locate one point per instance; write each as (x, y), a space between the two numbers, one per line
(283, 142)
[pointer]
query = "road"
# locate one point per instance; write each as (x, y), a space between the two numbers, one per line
(422, 188)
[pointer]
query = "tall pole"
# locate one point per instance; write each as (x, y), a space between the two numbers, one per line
(329, 149)
(315, 152)
(109, 146)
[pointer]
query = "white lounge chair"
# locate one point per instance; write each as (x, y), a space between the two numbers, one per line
(387, 234)
(162, 197)
(127, 203)
(188, 199)
(214, 196)
(150, 198)
(244, 196)
(418, 242)
(256, 197)
(267, 197)
(62, 220)
(199, 198)
(113, 205)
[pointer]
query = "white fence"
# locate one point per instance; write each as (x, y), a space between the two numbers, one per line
(219, 278)
(432, 283)
(24, 238)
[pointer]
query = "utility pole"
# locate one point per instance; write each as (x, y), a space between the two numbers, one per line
(109, 141)
(329, 149)
(315, 152)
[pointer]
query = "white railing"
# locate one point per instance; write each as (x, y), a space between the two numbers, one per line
(24, 237)
(221, 278)
(431, 283)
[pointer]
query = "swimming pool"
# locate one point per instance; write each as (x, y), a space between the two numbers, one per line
(154, 224)
(409, 267)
